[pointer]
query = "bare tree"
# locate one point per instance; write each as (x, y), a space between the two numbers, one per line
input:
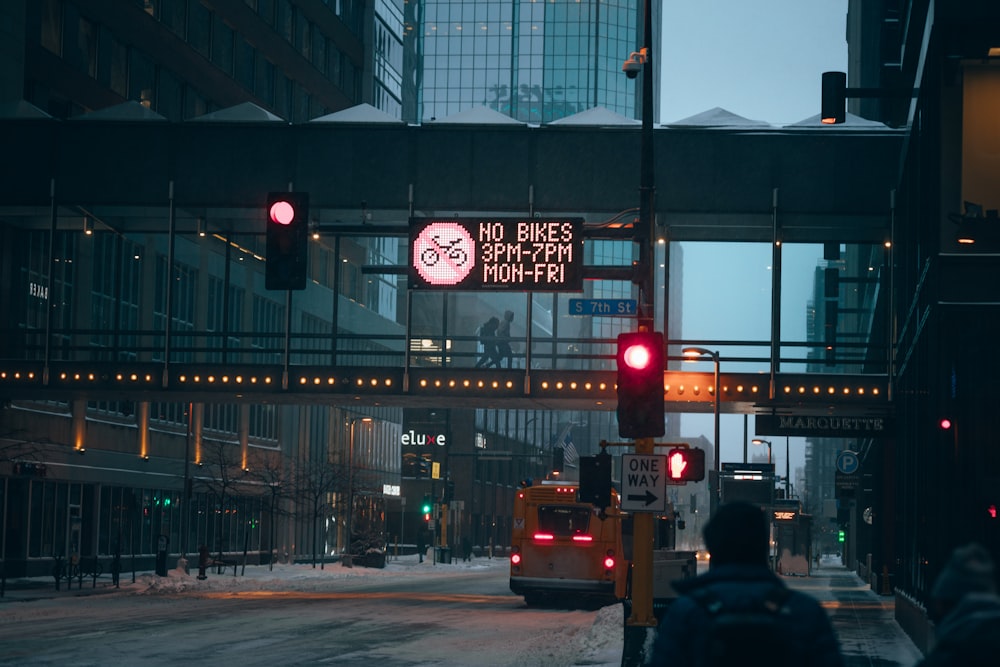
(315, 481)
(275, 474)
(15, 449)
(223, 472)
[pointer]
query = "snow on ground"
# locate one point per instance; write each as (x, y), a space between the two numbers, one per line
(597, 644)
(600, 646)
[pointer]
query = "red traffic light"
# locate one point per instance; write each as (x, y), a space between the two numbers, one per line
(287, 247)
(640, 384)
(637, 355)
(282, 212)
(685, 464)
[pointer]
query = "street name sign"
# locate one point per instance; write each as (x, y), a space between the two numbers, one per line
(604, 307)
(644, 483)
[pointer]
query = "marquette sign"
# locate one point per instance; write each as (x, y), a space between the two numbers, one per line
(543, 254)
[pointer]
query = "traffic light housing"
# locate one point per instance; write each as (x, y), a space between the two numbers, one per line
(558, 459)
(426, 506)
(595, 480)
(640, 384)
(834, 98)
(685, 464)
(287, 240)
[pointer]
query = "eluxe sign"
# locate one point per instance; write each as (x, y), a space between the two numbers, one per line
(419, 439)
(822, 426)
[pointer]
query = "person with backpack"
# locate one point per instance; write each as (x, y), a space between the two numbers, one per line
(965, 608)
(504, 349)
(739, 612)
(487, 335)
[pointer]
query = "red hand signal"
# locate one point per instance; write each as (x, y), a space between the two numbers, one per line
(676, 464)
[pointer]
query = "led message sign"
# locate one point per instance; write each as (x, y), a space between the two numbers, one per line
(541, 254)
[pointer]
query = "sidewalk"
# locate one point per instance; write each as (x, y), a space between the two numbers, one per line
(43, 588)
(864, 621)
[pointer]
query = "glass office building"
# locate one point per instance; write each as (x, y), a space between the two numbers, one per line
(533, 61)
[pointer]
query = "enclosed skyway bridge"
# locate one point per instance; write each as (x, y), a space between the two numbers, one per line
(577, 389)
(177, 210)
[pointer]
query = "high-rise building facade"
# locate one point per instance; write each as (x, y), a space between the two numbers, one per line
(533, 61)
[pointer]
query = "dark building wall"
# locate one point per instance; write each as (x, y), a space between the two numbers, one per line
(183, 59)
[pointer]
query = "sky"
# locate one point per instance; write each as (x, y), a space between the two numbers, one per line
(762, 60)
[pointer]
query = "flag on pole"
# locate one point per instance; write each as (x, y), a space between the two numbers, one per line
(570, 456)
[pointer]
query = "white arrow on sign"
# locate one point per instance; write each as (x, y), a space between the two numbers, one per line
(644, 483)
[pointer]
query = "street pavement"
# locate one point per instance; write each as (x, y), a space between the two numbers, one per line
(864, 620)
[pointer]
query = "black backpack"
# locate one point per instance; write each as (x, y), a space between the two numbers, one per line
(747, 632)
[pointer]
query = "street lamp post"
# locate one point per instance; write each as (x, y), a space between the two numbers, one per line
(694, 354)
(350, 478)
(788, 480)
(759, 441)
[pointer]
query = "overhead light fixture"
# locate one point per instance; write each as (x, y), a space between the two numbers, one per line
(88, 225)
(994, 52)
(201, 227)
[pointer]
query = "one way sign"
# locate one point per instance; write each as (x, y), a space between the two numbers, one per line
(644, 485)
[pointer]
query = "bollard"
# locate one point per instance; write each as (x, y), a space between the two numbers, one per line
(161, 555)
(116, 569)
(57, 570)
(202, 561)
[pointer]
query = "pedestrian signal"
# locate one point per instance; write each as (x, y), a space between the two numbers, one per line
(685, 464)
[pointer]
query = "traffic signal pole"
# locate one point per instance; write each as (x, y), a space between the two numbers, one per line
(640, 623)
(642, 544)
(642, 554)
